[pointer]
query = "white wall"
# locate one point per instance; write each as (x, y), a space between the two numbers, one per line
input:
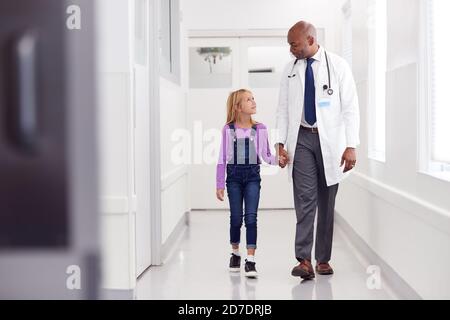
(115, 118)
(265, 14)
(174, 177)
(403, 215)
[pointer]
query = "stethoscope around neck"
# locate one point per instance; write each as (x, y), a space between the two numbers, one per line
(328, 88)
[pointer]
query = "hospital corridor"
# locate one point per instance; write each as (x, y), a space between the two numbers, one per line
(224, 150)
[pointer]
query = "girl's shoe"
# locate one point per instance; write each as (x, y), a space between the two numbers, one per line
(235, 263)
(250, 269)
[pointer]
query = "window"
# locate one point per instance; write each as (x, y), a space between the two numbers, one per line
(438, 106)
(347, 35)
(377, 79)
(170, 40)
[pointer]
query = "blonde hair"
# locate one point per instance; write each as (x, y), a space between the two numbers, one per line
(235, 99)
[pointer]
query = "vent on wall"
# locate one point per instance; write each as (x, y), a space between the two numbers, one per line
(262, 70)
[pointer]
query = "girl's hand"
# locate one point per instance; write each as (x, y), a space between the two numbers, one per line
(220, 194)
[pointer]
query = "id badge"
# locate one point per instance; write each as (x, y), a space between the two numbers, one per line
(324, 103)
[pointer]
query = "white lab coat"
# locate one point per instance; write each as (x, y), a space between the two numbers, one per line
(337, 115)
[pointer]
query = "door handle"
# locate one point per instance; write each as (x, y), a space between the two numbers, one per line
(22, 124)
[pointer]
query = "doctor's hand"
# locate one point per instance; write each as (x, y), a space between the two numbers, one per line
(349, 159)
(220, 194)
(282, 161)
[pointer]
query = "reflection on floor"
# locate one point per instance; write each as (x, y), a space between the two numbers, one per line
(198, 266)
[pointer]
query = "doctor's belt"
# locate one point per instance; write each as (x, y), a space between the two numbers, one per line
(310, 130)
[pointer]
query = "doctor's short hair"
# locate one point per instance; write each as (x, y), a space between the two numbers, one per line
(234, 100)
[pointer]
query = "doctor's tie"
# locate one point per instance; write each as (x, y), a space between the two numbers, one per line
(310, 94)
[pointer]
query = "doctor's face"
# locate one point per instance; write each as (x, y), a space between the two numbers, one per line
(299, 45)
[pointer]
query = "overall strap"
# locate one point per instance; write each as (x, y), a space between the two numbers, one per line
(234, 137)
(253, 134)
(233, 131)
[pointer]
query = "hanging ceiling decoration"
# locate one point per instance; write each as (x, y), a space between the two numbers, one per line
(212, 54)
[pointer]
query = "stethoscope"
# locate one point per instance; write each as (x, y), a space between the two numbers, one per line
(328, 88)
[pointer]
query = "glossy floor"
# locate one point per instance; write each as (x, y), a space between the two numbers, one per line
(198, 266)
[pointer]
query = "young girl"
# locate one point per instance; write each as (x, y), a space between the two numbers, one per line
(244, 141)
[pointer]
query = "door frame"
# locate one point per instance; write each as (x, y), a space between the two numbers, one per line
(155, 139)
(264, 33)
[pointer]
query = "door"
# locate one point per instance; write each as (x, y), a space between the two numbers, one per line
(255, 63)
(142, 137)
(48, 193)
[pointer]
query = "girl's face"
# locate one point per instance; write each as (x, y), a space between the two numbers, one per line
(248, 104)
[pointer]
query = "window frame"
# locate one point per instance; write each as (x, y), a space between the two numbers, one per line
(170, 69)
(426, 165)
(373, 104)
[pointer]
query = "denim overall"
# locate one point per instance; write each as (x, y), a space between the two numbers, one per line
(243, 186)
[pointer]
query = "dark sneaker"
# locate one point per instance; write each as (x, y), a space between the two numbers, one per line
(250, 269)
(235, 263)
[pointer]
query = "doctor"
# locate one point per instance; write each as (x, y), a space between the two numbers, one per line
(318, 125)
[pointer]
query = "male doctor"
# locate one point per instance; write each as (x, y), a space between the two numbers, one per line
(318, 125)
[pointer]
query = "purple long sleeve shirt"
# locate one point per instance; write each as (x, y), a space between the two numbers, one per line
(262, 148)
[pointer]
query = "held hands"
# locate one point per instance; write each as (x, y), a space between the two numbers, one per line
(349, 159)
(282, 156)
(283, 160)
(220, 194)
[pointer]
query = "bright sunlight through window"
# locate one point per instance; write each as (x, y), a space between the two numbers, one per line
(440, 69)
(377, 72)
